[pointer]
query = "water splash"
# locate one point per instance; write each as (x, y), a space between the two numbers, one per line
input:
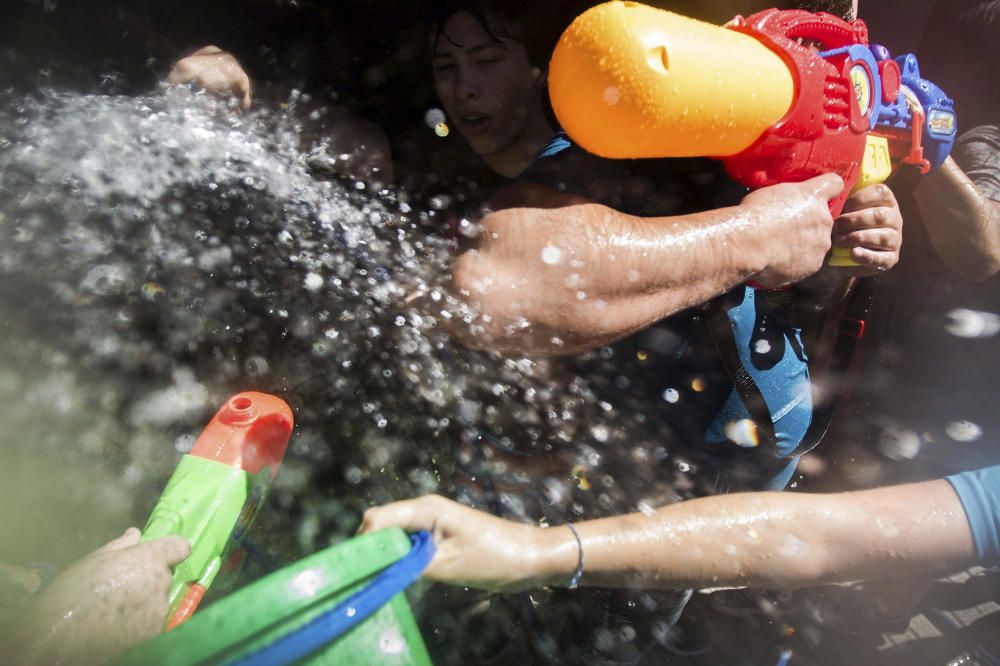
(171, 252)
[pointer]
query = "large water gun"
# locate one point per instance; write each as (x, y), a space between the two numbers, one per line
(216, 491)
(781, 96)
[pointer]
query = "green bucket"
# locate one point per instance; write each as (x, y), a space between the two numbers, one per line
(283, 617)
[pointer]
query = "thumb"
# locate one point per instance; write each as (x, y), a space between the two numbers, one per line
(170, 550)
(129, 538)
(411, 515)
(828, 186)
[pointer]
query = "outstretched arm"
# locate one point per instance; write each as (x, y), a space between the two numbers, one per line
(756, 539)
(559, 275)
(963, 224)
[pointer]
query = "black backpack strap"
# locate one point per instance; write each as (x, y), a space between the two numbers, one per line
(850, 328)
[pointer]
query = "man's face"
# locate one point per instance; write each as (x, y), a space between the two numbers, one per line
(488, 88)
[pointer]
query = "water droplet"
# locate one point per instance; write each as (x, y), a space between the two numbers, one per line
(551, 255)
(743, 432)
(313, 282)
(965, 323)
(898, 443)
(963, 431)
(184, 443)
(391, 642)
(434, 117)
(307, 583)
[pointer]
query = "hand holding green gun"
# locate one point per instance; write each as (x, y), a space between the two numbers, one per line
(217, 489)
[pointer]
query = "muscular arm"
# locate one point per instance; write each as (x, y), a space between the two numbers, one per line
(756, 539)
(962, 223)
(562, 275)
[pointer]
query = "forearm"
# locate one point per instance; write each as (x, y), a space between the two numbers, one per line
(962, 223)
(768, 540)
(563, 279)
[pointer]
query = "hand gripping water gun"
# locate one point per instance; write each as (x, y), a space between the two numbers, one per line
(781, 96)
(216, 491)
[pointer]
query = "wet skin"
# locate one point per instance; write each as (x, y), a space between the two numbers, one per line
(114, 598)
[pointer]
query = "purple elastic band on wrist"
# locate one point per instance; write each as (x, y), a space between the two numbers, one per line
(578, 574)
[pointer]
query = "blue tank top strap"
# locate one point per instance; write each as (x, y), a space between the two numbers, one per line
(556, 144)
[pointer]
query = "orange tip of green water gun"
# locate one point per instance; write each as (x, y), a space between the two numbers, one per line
(216, 491)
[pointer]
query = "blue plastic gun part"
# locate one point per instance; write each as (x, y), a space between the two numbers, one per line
(940, 121)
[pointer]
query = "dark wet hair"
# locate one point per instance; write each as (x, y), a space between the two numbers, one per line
(841, 8)
(536, 24)
(979, 27)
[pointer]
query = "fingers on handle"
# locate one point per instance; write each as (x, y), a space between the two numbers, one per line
(874, 239)
(871, 197)
(879, 260)
(171, 549)
(869, 219)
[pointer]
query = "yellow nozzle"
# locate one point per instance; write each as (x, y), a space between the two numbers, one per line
(628, 80)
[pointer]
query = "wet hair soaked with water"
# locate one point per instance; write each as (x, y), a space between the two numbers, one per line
(842, 8)
(979, 27)
(536, 25)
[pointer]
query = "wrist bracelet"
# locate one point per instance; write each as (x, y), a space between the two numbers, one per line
(578, 574)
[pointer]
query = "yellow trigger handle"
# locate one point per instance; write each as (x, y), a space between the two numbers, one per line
(876, 167)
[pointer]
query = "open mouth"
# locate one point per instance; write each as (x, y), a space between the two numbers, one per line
(474, 124)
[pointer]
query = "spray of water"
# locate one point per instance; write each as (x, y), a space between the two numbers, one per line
(162, 252)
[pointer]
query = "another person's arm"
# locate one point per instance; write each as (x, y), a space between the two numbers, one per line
(108, 602)
(756, 539)
(558, 274)
(962, 222)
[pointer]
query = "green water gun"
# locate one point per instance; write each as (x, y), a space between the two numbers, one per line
(214, 494)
